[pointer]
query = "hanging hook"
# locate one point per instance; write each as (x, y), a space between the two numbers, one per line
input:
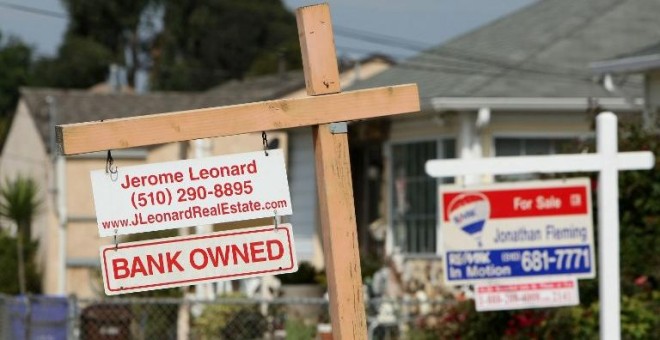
(276, 220)
(108, 164)
(116, 244)
(264, 139)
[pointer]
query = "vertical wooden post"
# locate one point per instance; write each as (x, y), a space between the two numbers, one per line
(333, 178)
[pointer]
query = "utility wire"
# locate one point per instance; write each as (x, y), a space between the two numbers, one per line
(469, 71)
(34, 10)
(453, 60)
(454, 55)
(457, 57)
(410, 44)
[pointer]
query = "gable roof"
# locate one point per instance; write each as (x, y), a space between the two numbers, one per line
(74, 106)
(542, 50)
(265, 87)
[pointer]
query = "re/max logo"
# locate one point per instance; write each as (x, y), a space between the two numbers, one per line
(460, 217)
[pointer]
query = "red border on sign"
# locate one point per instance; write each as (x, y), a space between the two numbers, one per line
(165, 241)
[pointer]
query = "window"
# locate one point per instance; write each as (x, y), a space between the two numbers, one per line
(510, 146)
(414, 194)
(534, 146)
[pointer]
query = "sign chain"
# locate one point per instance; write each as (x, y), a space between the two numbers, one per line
(116, 244)
(108, 164)
(264, 138)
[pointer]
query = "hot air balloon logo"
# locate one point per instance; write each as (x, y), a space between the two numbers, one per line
(469, 212)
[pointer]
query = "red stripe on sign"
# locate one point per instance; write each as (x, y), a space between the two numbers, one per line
(512, 203)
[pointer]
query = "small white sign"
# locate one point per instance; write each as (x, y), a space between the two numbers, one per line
(191, 192)
(517, 230)
(187, 260)
(529, 294)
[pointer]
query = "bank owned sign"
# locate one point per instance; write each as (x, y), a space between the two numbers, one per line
(185, 260)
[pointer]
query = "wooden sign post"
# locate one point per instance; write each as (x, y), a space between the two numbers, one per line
(324, 109)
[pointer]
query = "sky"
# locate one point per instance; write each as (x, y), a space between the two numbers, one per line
(429, 22)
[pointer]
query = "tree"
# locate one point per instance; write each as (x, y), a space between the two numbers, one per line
(15, 63)
(99, 34)
(639, 207)
(206, 42)
(114, 25)
(14, 71)
(9, 263)
(202, 42)
(19, 203)
(80, 63)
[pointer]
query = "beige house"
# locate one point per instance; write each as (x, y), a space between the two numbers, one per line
(520, 85)
(66, 227)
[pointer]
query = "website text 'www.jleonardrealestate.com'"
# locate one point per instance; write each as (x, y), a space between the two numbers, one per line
(194, 212)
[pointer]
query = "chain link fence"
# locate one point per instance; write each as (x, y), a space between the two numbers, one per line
(44, 318)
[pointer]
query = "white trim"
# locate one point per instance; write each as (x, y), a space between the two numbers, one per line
(538, 164)
(542, 134)
(531, 103)
(627, 65)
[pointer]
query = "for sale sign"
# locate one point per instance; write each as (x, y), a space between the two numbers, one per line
(530, 294)
(187, 260)
(517, 230)
(191, 192)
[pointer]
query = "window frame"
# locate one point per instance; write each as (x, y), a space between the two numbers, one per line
(440, 151)
(535, 135)
(544, 135)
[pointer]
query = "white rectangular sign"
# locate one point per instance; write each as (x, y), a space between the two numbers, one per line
(191, 192)
(517, 230)
(529, 294)
(187, 260)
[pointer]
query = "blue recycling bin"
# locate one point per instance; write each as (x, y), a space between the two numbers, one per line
(39, 317)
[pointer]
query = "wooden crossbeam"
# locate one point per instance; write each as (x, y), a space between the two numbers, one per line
(324, 105)
(235, 119)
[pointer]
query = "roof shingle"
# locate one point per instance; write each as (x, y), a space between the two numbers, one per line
(75, 106)
(542, 50)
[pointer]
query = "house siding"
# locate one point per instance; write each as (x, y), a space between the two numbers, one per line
(24, 154)
(302, 184)
(653, 94)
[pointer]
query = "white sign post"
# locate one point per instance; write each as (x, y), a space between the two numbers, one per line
(607, 162)
(191, 192)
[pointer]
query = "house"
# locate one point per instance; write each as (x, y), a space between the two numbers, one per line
(66, 226)
(520, 85)
(645, 61)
